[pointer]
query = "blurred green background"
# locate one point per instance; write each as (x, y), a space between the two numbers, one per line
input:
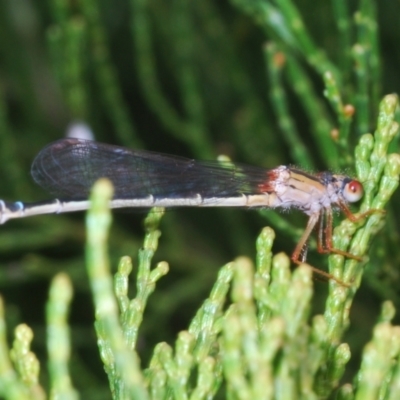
(198, 79)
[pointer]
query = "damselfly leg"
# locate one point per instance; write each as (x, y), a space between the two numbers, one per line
(324, 220)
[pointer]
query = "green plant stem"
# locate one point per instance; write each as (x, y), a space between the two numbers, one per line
(121, 364)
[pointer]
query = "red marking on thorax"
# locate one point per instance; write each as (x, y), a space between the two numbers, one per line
(268, 185)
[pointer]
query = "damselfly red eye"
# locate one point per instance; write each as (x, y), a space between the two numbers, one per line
(353, 191)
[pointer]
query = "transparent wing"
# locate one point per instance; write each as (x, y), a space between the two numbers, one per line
(69, 167)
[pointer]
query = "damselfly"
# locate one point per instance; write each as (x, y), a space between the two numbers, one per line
(69, 167)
